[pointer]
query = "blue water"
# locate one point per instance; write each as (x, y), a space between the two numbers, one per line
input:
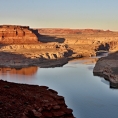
(87, 95)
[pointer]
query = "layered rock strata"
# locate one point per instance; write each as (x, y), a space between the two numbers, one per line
(107, 67)
(31, 101)
(10, 34)
(33, 55)
(57, 46)
(84, 43)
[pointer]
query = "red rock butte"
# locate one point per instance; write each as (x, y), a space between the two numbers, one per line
(11, 34)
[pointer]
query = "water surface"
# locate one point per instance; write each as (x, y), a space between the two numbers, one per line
(87, 95)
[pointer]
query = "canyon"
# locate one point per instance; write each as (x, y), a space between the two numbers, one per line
(22, 46)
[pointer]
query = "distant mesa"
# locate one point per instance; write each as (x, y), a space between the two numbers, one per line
(70, 31)
(11, 34)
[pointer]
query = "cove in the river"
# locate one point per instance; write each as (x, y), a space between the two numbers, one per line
(87, 95)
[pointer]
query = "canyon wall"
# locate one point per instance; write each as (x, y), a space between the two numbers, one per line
(55, 44)
(83, 42)
(10, 34)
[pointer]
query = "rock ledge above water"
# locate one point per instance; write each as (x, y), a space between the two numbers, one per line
(31, 101)
(107, 67)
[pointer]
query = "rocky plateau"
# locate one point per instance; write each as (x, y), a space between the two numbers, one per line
(21, 46)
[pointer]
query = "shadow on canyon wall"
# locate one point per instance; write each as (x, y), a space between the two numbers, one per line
(35, 31)
(41, 38)
(2, 45)
(13, 58)
(104, 47)
(20, 64)
(47, 38)
(7, 57)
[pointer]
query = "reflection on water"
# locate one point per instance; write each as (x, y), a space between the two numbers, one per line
(21, 71)
(89, 96)
(105, 82)
(85, 60)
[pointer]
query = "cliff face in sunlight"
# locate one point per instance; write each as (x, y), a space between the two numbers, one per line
(83, 42)
(22, 48)
(17, 34)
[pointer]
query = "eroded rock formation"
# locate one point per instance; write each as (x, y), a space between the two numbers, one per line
(10, 34)
(31, 101)
(83, 43)
(107, 67)
(55, 44)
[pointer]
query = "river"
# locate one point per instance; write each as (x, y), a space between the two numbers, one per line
(89, 96)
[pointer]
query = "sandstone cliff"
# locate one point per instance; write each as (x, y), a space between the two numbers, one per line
(22, 47)
(85, 42)
(10, 34)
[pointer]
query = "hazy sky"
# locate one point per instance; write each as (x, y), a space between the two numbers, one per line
(97, 14)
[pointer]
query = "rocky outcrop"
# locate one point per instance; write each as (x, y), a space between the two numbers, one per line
(84, 43)
(31, 101)
(55, 44)
(19, 58)
(107, 67)
(10, 34)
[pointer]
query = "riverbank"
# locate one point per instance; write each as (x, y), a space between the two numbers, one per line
(31, 101)
(107, 67)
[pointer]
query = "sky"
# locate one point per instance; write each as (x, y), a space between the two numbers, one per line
(75, 14)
